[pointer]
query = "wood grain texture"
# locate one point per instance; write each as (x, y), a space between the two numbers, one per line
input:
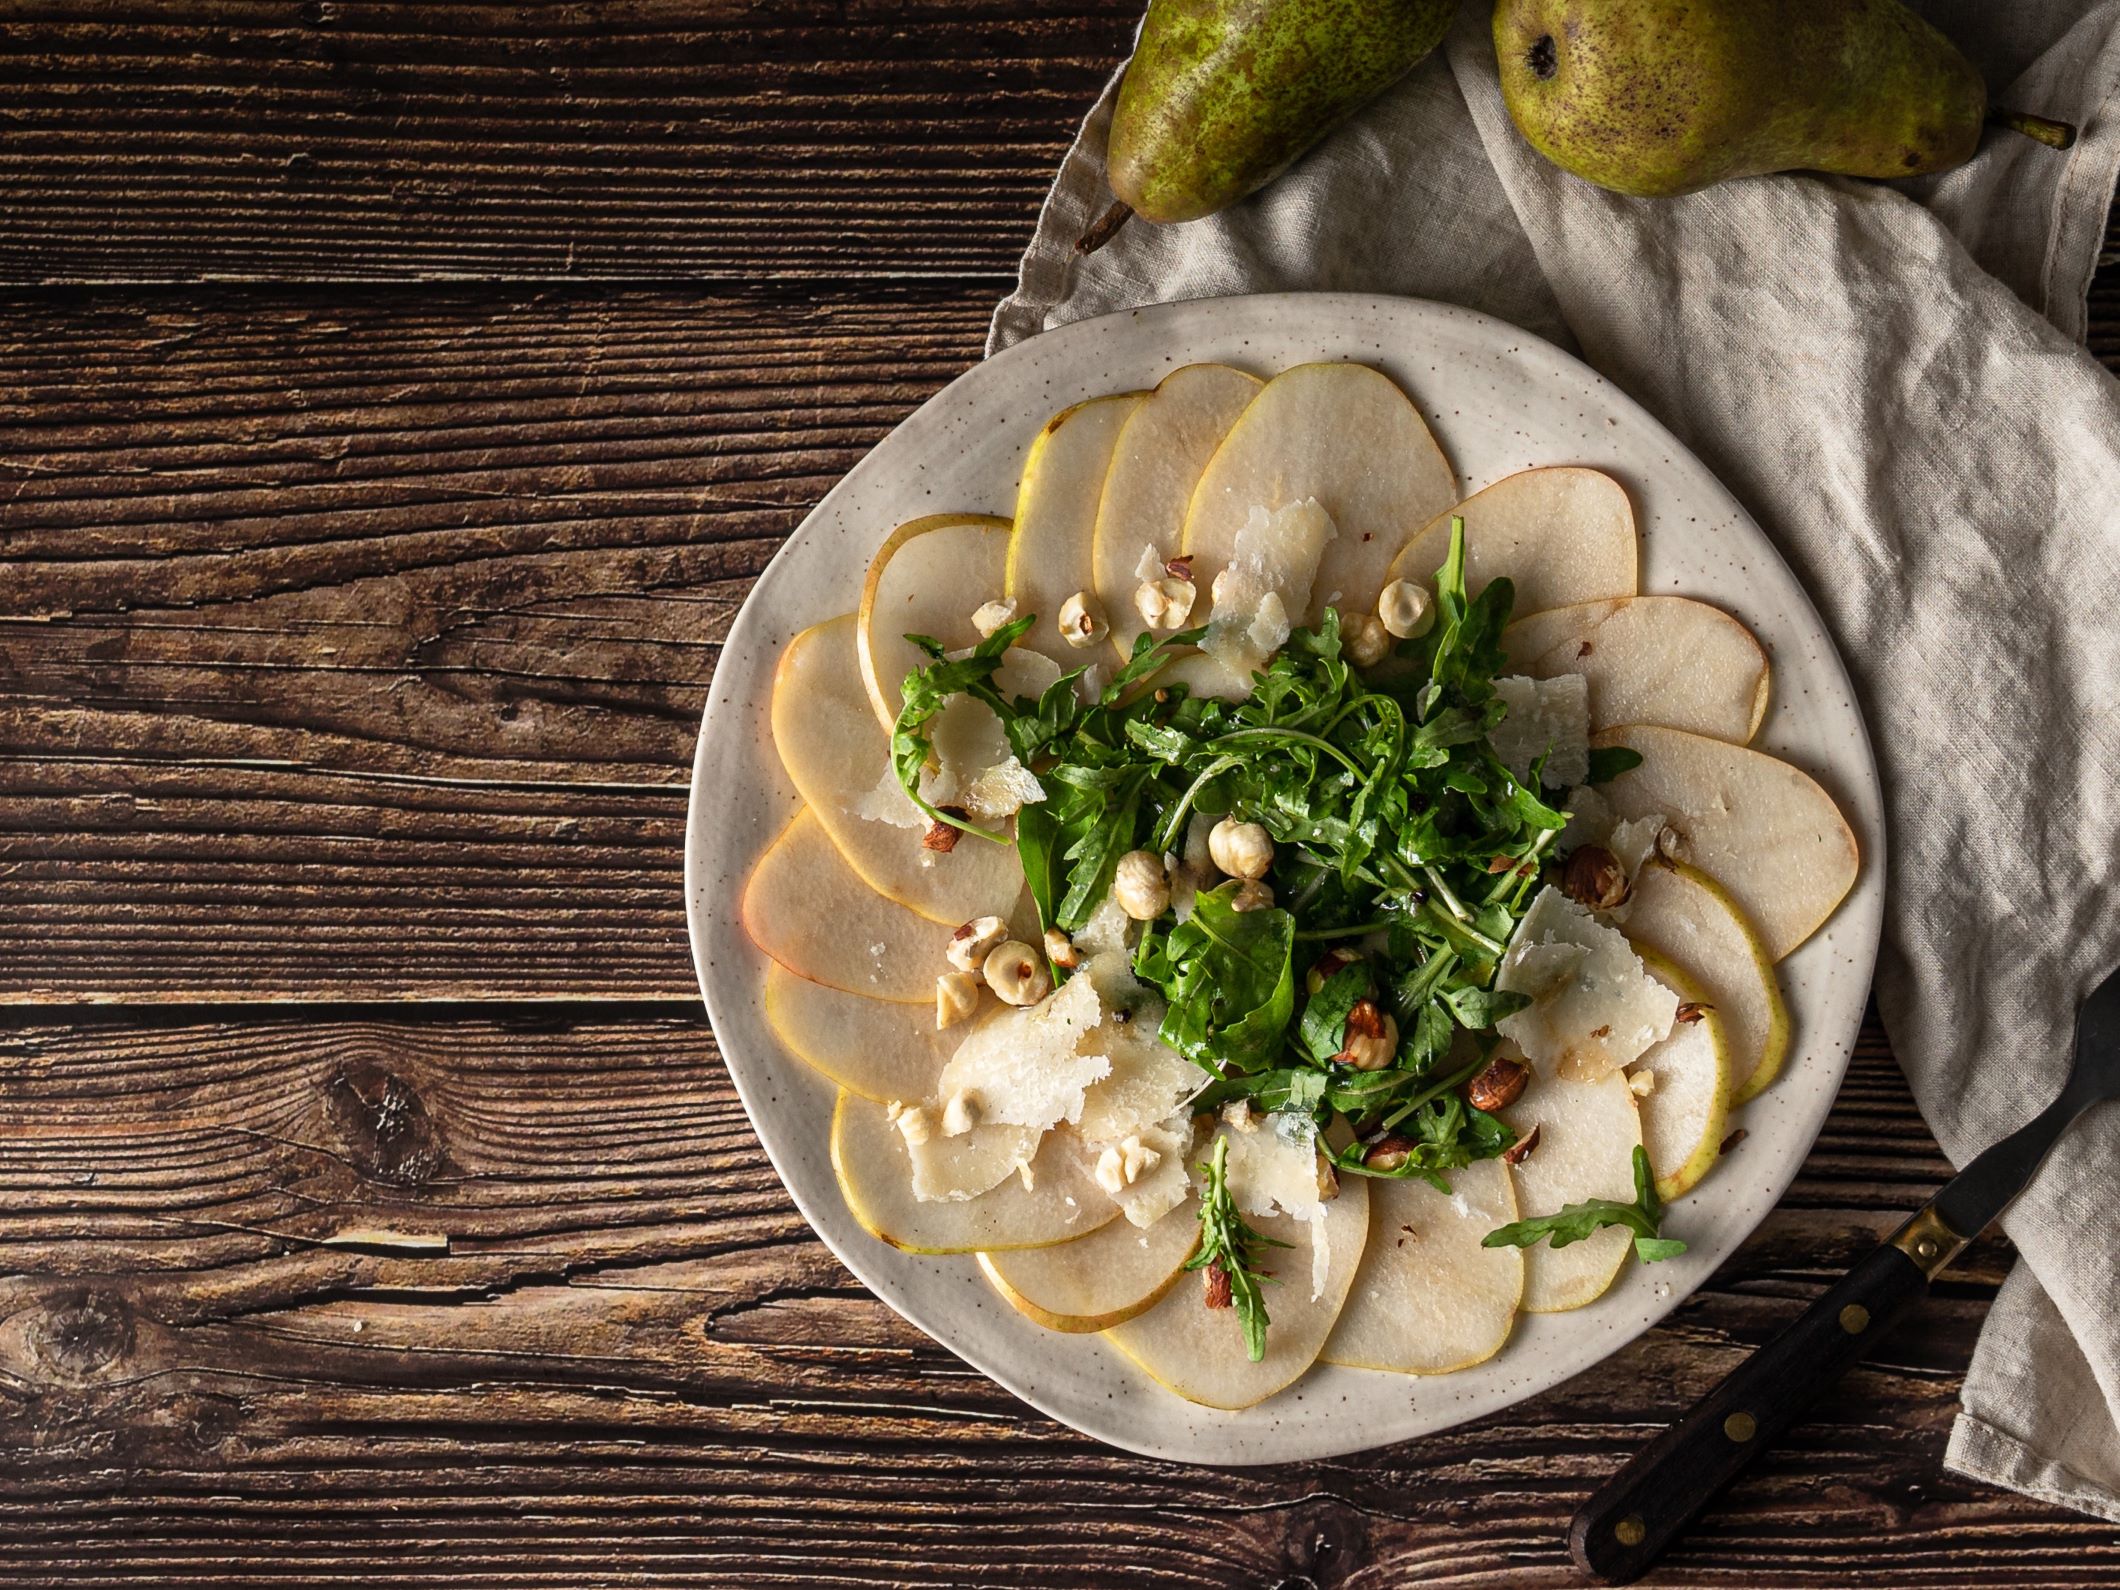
(327, 140)
(356, 649)
(635, 1363)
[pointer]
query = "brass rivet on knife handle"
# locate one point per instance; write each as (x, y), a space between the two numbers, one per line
(1929, 1242)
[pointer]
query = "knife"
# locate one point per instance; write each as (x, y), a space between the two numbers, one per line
(1626, 1525)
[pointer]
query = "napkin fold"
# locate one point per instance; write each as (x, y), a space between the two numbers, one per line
(1893, 380)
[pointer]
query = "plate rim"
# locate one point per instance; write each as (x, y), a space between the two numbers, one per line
(1868, 888)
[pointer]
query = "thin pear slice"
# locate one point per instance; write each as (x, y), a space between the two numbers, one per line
(1563, 536)
(808, 910)
(928, 578)
(1050, 557)
(1198, 1352)
(1651, 659)
(1685, 1111)
(1762, 829)
(1346, 435)
(872, 1047)
(1689, 919)
(1587, 1132)
(1098, 1281)
(1428, 1298)
(1161, 452)
(875, 1171)
(829, 743)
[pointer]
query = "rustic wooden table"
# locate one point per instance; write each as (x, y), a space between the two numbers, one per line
(397, 403)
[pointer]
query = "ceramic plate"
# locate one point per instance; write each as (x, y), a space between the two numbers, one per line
(1499, 401)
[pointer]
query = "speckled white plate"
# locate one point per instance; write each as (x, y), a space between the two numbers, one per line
(1499, 401)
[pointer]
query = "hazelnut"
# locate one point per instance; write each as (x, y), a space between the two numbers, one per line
(1497, 1087)
(959, 1115)
(1082, 621)
(1327, 967)
(942, 837)
(1593, 877)
(1165, 604)
(1388, 1152)
(972, 943)
(1405, 610)
(1243, 850)
(1520, 1150)
(1690, 1011)
(1252, 895)
(956, 997)
(1366, 641)
(1217, 1286)
(1060, 949)
(1016, 973)
(1141, 885)
(1372, 1037)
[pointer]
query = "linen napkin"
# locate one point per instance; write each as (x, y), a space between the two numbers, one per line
(1892, 379)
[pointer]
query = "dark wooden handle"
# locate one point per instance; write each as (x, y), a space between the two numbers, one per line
(1638, 1512)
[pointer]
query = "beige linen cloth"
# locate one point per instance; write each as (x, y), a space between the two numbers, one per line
(1893, 379)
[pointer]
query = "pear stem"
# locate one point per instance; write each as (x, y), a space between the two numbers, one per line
(2054, 134)
(1104, 228)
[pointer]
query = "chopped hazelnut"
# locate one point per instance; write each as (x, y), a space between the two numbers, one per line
(1497, 1087)
(1372, 1037)
(1592, 877)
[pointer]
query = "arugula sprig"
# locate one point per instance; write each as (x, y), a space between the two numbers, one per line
(1231, 1250)
(928, 690)
(1578, 1221)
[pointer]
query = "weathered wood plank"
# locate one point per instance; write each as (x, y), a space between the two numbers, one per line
(357, 650)
(636, 1361)
(264, 139)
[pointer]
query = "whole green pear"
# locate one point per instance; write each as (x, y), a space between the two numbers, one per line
(1223, 95)
(1655, 97)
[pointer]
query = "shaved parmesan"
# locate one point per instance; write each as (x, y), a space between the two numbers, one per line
(1593, 1006)
(1020, 1067)
(1274, 1168)
(1549, 718)
(1266, 580)
(1144, 1097)
(1633, 843)
(1589, 819)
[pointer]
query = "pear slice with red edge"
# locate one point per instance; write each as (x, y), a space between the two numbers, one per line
(808, 910)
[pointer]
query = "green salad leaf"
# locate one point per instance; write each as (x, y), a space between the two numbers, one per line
(1230, 1252)
(1576, 1221)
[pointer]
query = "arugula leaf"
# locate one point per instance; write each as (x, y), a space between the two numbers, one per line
(1578, 1221)
(1607, 762)
(1233, 1249)
(1231, 984)
(1322, 1033)
(928, 690)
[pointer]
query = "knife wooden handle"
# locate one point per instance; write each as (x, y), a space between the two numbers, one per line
(1627, 1524)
